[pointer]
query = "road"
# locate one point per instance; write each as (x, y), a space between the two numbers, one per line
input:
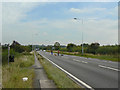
(93, 72)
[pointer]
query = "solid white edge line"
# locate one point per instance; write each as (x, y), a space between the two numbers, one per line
(80, 81)
(108, 68)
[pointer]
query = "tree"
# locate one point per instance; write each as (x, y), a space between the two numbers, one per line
(70, 47)
(85, 44)
(57, 45)
(93, 47)
(49, 47)
(18, 48)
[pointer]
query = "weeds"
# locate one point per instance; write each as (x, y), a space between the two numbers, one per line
(13, 74)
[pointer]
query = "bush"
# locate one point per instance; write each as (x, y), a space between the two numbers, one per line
(16, 51)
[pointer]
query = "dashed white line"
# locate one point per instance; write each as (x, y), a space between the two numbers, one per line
(80, 61)
(84, 62)
(108, 67)
(83, 83)
(77, 60)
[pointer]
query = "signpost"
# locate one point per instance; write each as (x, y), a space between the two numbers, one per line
(8, 53)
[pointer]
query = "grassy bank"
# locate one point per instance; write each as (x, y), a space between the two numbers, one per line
(102, 57)
(60, 78)
(12, 75)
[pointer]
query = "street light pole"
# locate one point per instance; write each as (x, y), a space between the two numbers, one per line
(82, 45)
(82, 32)
(82, 35)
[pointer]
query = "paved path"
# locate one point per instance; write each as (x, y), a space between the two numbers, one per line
(41, 80)
(93, 72)
(0, 85)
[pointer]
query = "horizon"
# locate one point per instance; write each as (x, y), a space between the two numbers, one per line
(60, 44)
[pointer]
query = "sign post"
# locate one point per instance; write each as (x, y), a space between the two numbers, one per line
(8, 53)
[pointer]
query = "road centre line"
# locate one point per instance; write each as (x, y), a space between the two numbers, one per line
(83, 83)
(77, 60)
(108, 67)
(99, 65)
(84, 62)
(80, 61)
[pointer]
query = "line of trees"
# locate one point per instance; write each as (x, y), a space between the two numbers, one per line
(93, 48)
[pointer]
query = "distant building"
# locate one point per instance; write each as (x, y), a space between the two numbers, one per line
(14, 43)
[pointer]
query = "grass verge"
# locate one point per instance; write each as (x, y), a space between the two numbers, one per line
(12, 75)
(60, 78)
(101, 57)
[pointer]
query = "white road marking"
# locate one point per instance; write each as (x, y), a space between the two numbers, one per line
(84, 62)
(77, 60)
(108, 67)
(80, 61)
(80, 81)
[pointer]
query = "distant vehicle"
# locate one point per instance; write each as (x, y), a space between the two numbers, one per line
(37, 49)
(44, 50)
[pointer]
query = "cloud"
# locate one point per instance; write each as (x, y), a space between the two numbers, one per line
(14, 12)
(102, 31)
(45, 33)
(86, 10)
(99, 13)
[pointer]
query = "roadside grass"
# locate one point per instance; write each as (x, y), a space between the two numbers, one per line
(0, 75)
(60, 78)
(114, 58)
(12, 75)
(103, 57)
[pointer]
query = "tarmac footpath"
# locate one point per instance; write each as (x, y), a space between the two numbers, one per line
(41, 80)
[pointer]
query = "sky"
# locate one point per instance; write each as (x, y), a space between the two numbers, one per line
(48, 22)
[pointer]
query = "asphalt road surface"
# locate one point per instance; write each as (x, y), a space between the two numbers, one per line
(94, 72)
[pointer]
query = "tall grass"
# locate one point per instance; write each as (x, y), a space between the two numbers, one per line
(13, 74)
(5, 55)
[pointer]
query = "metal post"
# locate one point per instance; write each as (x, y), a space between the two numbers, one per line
(32, 42)
(82, 34)
(8, 53)
(32, 47)
(82, 45)
(82, 40)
